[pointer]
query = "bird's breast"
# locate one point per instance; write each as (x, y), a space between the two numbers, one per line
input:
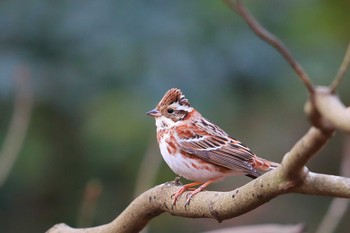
(187, 165)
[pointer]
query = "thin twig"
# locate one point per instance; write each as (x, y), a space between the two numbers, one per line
(92, 193)
(147, 172)
(262, 228)
(334, 215)
(338, 206)
(18, 125)
(270, 39)
(342, 71)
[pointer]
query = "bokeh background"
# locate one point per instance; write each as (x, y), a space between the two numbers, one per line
(96, 67)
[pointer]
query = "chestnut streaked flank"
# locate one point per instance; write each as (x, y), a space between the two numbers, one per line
(197, 149)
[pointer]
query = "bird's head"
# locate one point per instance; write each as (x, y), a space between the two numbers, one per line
(172, 108)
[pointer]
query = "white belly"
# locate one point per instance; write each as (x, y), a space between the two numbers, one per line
(191, 169)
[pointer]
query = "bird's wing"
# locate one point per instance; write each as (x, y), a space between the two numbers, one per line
(210, 143)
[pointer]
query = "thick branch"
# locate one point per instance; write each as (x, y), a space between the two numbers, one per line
(217, 205)
(225, 205)
(331, 108)
(295, 160)
(325, 185)
(327, 111)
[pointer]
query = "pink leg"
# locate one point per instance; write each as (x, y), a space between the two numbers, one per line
(200, 188)
(183, 189)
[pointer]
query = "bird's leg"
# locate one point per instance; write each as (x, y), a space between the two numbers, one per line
(183, 189)
(200, 188)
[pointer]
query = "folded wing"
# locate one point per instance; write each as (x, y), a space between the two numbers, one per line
(212, 144)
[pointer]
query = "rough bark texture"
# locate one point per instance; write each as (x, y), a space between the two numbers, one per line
(226, 205)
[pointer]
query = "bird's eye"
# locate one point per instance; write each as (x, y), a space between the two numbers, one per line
(170, 110)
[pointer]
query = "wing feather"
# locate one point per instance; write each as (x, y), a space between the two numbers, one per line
(212, 144)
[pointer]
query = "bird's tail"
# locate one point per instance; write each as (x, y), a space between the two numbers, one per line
(263, 164)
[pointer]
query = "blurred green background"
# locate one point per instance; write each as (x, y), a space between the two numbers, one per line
(96, 67)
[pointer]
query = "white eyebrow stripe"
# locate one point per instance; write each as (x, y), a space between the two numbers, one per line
(184, 107)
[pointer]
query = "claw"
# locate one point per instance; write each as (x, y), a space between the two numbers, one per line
(190, 195)
(188, 200)
(182, 190)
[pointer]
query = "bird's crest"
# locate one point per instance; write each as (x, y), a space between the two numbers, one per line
(174, 95)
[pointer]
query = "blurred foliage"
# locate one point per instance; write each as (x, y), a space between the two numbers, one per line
(98, 66)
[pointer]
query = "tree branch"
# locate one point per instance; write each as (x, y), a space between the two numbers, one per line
(271, 39)
(295, 160)
(325, 185)
(327, 112)
(148, 170)
(334, 215)
(262, 228)
(18, 125)
(217, 205)
(342, 71)
(338, 206)
(92, 193)
(226, 205)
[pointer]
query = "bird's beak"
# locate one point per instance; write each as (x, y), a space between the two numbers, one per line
(153, 113)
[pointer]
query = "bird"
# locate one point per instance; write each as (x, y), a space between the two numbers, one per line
(199, 150)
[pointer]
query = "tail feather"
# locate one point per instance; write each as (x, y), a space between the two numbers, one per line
(263, 164)
(253, 176)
